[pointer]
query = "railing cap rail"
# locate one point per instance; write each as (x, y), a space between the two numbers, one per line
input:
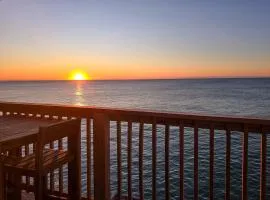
(85, 111)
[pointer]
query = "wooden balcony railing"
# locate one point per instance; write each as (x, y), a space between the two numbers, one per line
(97, 128)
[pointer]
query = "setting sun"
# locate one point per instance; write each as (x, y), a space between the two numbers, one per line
(78, 76)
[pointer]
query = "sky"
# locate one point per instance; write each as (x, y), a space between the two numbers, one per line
(136, 39)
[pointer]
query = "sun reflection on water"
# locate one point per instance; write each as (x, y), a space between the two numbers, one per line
(79, 97)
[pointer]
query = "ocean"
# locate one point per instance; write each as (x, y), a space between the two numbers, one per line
(237, 97)
(242, 97)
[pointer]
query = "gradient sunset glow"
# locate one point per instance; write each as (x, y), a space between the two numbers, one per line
(133, 40)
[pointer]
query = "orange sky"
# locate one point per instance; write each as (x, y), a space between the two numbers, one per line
(51, 68)
(149, 73)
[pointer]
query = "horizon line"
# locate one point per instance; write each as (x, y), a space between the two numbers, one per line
(138, 79)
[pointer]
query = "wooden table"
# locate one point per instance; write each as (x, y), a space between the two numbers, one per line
(21, 130)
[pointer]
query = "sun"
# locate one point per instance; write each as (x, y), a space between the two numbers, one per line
(78, 76)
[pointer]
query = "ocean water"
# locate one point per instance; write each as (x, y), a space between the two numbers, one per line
(236, 97)
(248, 97)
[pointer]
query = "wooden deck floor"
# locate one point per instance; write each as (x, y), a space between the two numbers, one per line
(25, 196)
(30, 196)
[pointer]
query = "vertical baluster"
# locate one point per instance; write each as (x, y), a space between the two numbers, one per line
(245, 164)
(101, 139)
(119, 160)
(74, 167)
(88, 154)
(129, 160)
(34, 148)
(49, 176)
(60, 177)
(154, 157)
(141, 161)
(60, 169)
(17, 152)
(211, 166)
(19, 180)
(181, 164)
(52, 172)
(263, 166)
(195, 172)
(27, 177)
(167, 161)
(228, 165)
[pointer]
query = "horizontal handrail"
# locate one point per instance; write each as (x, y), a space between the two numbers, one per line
(234, 123)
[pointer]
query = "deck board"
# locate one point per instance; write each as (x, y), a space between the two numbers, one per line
(15, 127)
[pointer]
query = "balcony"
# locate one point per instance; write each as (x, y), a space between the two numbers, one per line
(134, 154)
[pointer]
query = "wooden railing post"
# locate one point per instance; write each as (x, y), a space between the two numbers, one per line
(101, 157)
